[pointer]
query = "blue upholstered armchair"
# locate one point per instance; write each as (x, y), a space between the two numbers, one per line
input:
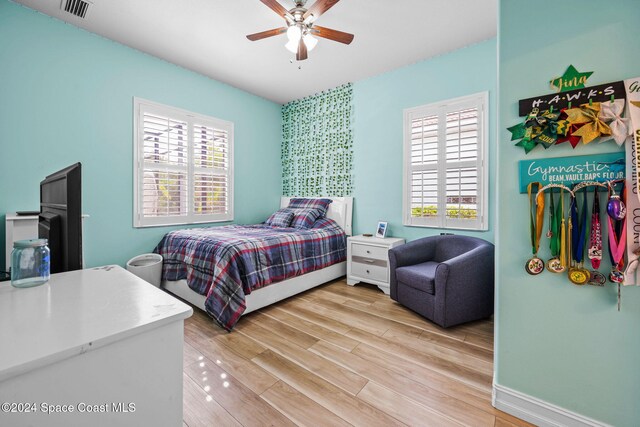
(447, 279)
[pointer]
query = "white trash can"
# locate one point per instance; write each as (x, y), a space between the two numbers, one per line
(147, 267)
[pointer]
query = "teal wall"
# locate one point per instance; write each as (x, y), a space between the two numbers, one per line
(561, 343)
(377, 151)
(66, 96)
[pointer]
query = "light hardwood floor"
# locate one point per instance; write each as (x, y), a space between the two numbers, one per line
(337, 356)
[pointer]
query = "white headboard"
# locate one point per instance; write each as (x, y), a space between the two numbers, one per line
(340, 210)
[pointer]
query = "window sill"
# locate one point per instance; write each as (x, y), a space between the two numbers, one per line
(479, 229)
(173, 224)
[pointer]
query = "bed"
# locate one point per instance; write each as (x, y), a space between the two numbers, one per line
(340, 211)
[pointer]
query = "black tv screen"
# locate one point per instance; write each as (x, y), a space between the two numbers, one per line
(60, 219)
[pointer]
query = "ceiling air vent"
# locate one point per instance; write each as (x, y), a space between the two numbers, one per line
(78, 8)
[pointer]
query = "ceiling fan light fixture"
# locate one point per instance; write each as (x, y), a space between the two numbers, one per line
(301, 28)
(310, 41)
(294, 33)
(292, 46)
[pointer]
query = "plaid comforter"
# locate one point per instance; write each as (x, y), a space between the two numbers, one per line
(226, 263)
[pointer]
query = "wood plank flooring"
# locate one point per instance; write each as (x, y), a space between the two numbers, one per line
(337, 356)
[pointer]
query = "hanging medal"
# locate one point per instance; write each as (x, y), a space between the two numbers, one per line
(535, 265)
(595, 243)
(578, 275)
(597, 278)
(615, 206)
(554, 264)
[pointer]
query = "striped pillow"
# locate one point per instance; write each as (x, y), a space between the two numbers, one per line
(304, 218)
(281, 218)
(302, 203)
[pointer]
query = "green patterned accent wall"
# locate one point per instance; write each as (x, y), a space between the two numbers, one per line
(317, 144)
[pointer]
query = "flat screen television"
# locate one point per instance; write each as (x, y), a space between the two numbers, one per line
(60, 219)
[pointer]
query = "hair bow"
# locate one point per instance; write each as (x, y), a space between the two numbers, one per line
(593, 126)
(610, 113)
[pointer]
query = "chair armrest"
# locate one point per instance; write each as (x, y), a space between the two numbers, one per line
(474, 255)
(468, 285)
(470, 266)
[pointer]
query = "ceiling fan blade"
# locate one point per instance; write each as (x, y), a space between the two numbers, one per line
(264, 34)
(335, 35)
(302, 51)
(319, 7)
(277, 8)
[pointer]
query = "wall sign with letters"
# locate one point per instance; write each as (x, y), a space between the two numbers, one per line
(572, 170)
(600, 93)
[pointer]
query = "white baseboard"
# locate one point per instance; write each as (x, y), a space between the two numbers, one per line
(536, 411)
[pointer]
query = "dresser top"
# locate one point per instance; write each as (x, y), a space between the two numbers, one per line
(76, 312)
(387, 241)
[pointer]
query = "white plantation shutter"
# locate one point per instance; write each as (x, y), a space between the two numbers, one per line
(211, 168)
(445, 175)
(424, 168)
(182, 166)
(164, 168)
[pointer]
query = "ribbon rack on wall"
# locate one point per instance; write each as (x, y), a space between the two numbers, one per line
(571, 188)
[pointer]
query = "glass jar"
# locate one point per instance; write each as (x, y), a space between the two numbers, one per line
(30, 263)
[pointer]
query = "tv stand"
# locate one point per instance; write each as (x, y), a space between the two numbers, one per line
(100, 337)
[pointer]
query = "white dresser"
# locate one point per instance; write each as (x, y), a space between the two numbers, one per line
(368, 260)
(101, 347)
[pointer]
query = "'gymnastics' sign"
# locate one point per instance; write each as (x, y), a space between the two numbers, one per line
(571, 170)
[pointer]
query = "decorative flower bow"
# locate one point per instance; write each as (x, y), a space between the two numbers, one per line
(593, 126)
(566, 129)
(536, 129)
(611, 112)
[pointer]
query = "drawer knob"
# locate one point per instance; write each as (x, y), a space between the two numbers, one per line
(368, 251)
(368, 272)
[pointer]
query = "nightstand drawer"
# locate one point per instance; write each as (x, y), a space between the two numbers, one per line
(372, 272)
(367, 251)
(370, 261)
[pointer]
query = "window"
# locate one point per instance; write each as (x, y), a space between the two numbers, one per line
(445, 173)
(183, 166)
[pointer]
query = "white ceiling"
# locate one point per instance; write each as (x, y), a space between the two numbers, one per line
(208, 36)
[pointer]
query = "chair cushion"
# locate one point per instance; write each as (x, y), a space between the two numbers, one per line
(419, 276)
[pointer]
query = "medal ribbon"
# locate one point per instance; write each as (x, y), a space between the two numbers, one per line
(617, 241)
(583, 227)
(595, 249)
(617, 244)
(579, 230)
(563, 237)
(554, 234)
(535, 225)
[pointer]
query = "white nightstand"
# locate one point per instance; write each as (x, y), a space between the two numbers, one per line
(368, 260)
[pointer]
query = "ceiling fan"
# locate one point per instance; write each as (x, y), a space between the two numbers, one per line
(301, 26)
